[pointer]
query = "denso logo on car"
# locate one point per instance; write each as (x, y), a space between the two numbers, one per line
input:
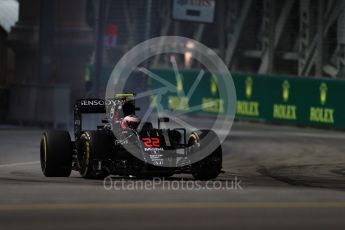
(99, 102)
(92, 102)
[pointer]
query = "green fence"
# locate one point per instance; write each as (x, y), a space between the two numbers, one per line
(293, 100)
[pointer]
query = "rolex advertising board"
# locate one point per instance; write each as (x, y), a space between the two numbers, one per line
(205, 97)
(283, 99)
(302, 101)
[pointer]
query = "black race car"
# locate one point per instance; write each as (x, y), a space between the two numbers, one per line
(124, 146)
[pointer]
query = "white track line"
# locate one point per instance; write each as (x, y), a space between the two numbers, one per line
(19, 164)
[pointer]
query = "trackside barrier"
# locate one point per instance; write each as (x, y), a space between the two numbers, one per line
(293, 100)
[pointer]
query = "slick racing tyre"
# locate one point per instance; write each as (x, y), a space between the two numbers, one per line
(94, 145)
(56, 154)
(210, 166)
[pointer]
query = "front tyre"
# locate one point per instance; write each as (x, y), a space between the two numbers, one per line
(56, 154)
(210, 166)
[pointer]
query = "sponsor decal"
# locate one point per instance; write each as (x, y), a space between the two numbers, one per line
(157, 162)
(178, 103)
(249, 87)
(121, 142)
(323, 93)
(213, 85)
(156, 156)
(285, 111)
(153, 149)
(321, 114)
(179, 84)
(286, 90)
(248, 108)
(213, 105)
(100, 102)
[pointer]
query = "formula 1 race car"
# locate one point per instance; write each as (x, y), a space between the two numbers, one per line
(124, 146)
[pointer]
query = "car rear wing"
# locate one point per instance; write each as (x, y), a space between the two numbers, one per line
(90, 105)
(96, 105)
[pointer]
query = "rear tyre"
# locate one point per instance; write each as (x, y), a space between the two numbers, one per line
(94, 145)
(56, 154)
(209, 167)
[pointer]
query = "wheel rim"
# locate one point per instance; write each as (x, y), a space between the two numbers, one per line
(85, 156)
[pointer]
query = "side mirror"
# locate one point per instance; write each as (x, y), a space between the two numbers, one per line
(162, 119)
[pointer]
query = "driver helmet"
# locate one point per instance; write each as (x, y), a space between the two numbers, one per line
(130, 121)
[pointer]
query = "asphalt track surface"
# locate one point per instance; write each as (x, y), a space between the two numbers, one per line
(275, 178)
